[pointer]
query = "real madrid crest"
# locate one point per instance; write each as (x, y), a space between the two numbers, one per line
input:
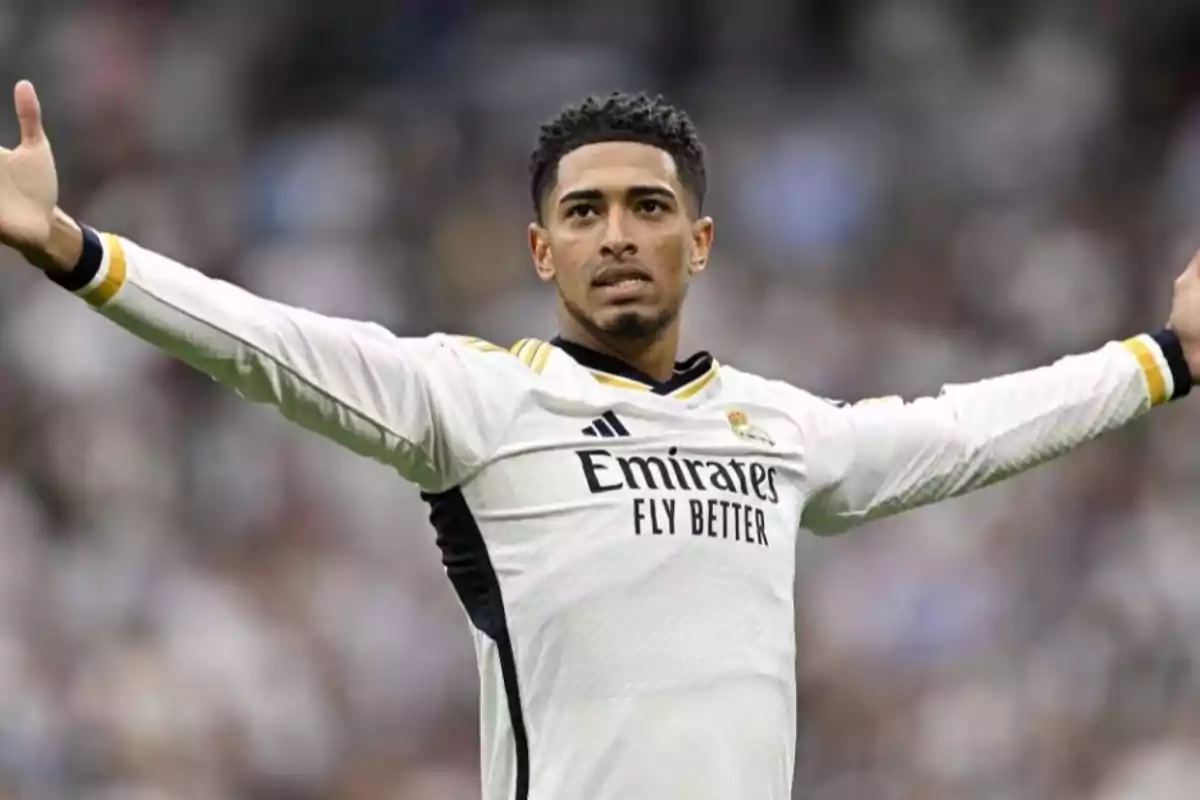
(741, 426)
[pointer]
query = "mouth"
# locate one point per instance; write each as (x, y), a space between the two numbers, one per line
(624, 282)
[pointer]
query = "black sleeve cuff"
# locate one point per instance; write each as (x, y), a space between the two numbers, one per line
(1172, 350)
(86, 268)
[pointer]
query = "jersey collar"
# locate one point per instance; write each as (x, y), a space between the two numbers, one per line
(690, 376)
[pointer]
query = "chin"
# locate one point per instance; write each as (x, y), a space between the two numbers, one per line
(634, 323)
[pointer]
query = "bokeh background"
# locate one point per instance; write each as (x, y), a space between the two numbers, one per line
(199, 601)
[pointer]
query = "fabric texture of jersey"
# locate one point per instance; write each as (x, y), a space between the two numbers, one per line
(624, 548)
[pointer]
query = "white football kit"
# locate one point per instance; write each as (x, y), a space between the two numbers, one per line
(624, 548)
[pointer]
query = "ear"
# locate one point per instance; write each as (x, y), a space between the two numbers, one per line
(702, 240)
(539, 247)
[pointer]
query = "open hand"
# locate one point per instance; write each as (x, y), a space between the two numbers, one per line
(28, 180)
(1185, 314)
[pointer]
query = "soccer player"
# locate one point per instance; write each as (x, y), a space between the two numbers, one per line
(619, 523)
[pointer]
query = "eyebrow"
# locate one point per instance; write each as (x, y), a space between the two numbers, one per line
(633, 192)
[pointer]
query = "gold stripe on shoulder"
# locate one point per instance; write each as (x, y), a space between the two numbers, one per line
(115, 279)
(1155, 381)
(516, 348)
(541, 356)
(528, 350)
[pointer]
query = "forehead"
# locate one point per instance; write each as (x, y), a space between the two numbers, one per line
(615, 165)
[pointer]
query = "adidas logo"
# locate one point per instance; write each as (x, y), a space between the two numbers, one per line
(606, 426)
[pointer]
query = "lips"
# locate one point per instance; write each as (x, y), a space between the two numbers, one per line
(623, 283)
(622, 275)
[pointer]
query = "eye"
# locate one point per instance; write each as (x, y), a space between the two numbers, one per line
(580, 211)
(651, 206)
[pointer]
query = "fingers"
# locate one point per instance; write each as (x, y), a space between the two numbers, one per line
(29, 113)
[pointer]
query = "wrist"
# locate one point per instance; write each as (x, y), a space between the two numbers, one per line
(1191, 355)
(1183, 359)
(62, 250)
(65, 246)
(84, 246)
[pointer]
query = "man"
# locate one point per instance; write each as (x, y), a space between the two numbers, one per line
(619, 525)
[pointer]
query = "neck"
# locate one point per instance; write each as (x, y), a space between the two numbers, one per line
(654, 356)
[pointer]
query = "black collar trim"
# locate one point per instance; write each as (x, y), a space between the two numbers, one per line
(688, 371)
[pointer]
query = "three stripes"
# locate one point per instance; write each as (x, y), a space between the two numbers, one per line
(606, 426)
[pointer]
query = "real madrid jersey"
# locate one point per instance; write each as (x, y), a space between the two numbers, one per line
(623, 548)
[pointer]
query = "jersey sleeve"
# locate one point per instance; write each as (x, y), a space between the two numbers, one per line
(432, 407)
(881, 457)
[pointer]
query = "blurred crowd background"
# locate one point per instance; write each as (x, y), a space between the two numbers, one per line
(199, 601)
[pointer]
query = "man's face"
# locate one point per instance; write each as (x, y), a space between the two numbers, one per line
(619, 239)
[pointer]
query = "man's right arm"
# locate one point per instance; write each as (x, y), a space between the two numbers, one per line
(417, 404)
(414, 403)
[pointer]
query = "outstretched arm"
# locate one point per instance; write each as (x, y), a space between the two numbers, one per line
(416, 404)
(879, 458)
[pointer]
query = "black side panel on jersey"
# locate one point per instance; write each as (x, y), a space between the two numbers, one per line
(465, 556)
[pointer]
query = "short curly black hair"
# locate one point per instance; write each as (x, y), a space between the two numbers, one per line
(619, 117)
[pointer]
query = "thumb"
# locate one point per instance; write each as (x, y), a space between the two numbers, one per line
(29, 113)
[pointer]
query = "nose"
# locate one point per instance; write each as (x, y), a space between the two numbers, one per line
(617, 244)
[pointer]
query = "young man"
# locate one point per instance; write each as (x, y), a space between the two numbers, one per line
(620, 525)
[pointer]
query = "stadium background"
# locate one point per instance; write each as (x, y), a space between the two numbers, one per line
(199, 601)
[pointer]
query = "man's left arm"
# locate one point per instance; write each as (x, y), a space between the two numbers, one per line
(879, 458)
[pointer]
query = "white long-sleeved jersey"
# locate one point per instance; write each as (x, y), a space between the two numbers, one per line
(623, 548)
